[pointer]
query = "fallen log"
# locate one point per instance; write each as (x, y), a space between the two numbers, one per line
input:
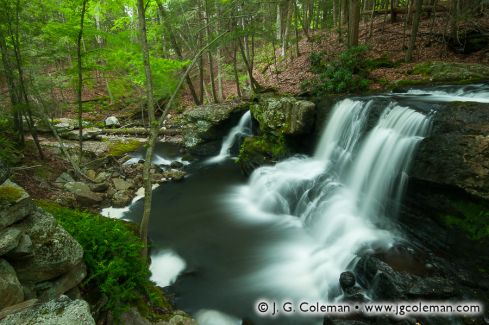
(139, 131)
(401, 11)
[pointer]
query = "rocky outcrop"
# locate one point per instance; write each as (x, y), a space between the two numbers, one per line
(39, 260)
(457, 152)
(208, 123)
(284, 115)
(60, 311)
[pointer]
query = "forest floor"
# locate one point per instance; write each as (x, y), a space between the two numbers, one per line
(388, 40)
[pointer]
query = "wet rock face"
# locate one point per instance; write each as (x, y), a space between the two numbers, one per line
(208, 123)
(457, 152)
(284, 115)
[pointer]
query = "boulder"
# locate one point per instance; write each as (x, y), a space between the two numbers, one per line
(61, 125)
(102, 177)
(53, 255)
(208, 122)
(121, 199)
(457, 152)
(10, 287)
(9, 239)
(64, 178)
(52, 289)
(15, 204)
(112, 121)
(83, 193)
(284, 115)
(99, 188)
(23, 249)
(121, 185)
(63, 310)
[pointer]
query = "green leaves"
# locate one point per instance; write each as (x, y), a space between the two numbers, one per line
(112, 255)
(348, 73)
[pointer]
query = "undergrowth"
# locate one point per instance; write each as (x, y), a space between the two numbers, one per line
(114, 264)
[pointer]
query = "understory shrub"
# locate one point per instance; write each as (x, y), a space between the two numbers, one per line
(347, 73)
(112, 254)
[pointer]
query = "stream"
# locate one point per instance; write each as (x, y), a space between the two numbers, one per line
(289, 230)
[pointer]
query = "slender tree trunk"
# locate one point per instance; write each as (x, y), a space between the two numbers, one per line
(354, 23)
(454, 20)
(209, 53)
(236, 75)
(15, 37)
(80, 79)
(17, 117)
(393, 11)
(370, 30)
(153, 127)
(414, 32)
(177, 49)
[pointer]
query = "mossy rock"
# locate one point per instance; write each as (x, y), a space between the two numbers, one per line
(120, 148)
(262, 150)
(284, 115)
(471, 218)
(10, 193)
(453, 72)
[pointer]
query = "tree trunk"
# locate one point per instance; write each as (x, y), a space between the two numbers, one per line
(209, 53)
(354, 23)
(80, 79)
(393, 11)
(177, 49)
(414, 32)
(454, 20)
(153, 126)
(236, 75)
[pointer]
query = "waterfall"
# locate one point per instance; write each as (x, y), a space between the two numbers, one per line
(242, 128)
(336, 202)
(471, 93)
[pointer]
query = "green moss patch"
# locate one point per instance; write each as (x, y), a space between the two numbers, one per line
(452, 71)
(471, 218)
(120, 148)
(10, 194)
(114, 264)
(267, 147)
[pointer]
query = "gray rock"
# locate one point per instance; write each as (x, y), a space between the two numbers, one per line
(347, 280)
(121, 199)
(53, 255)
(208, 122)
(102, 177)
(83, 193)
(23, 249)
(39, 226)
(64, 178)
(52, 289)
(284, 115)
(55, 312)
(10, 287)
(99, 188)
(112, 121)
(13, 211)
(121, 185)
(9, 239)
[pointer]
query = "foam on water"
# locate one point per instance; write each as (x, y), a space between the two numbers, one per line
(329, 206)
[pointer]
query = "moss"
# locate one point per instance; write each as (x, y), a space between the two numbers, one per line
(452, 71)
(471, 218)
(10, 194)
(266, 147)
(119, 148)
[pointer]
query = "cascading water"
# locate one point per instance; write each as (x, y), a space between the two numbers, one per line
(242, 129)
(471, 93)
(334, 202)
